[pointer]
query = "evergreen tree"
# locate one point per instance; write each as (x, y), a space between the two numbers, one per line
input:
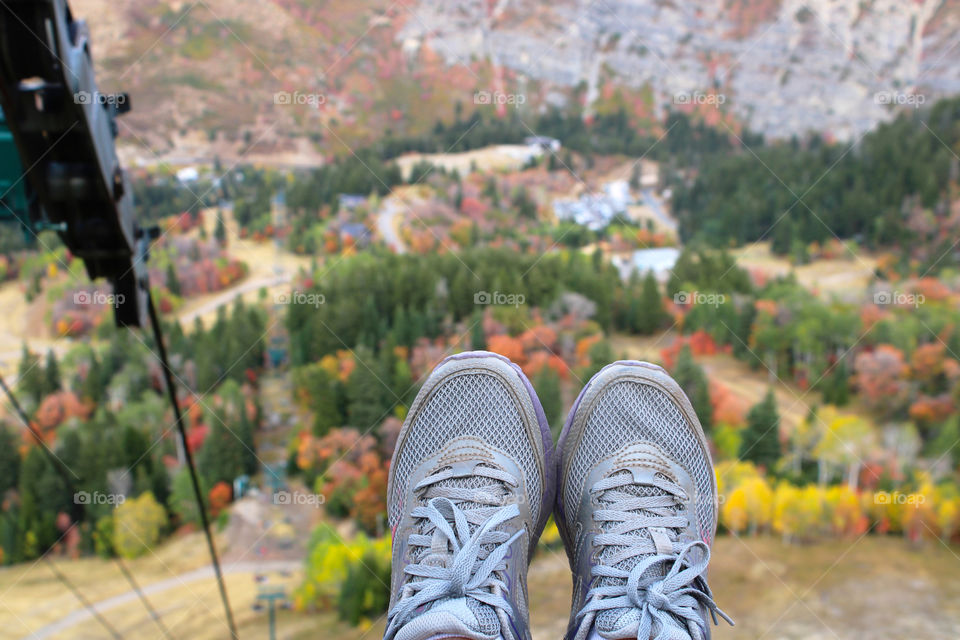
(478, 337)
(760, 441)
(650, 313)
(600, 354)
(691, 378)
(836, 384)
(783, 235)
(245, 433)
(402, 328)
(173, 282)
(51, 374)
(9, 460)
(43, 494)
(30, 376)
(326, 397)
(458, 197)
(177, 339)
(403, 384)
(744, 326)
(491, 191)
(552, 163)
(92, 387)
(368, 399)
(221, 458)
(220, 232)
(524, 204)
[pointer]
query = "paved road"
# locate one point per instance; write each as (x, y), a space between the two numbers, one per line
(81, 615)
(231, 294)
(654, 204)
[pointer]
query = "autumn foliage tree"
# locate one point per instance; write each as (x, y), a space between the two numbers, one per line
(881, 379)
(760, 442)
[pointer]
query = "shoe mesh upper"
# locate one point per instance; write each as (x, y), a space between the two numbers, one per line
(630, 412)
(470, 404)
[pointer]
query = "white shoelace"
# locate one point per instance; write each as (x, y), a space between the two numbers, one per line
(471, 563)
(678, 589)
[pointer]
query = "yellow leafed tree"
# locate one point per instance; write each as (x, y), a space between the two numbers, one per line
(138, 524)
(797, 513)
(847, 442)
(843, 510)
(748, 506)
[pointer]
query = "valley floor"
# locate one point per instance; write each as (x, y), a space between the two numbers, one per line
(877, 587)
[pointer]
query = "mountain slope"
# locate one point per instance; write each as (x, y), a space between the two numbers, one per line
(204, 77)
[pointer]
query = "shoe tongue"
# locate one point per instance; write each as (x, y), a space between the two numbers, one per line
(468, 482)
(616, 624)
(453, 617)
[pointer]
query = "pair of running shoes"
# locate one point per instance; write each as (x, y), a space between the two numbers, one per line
(475, 476)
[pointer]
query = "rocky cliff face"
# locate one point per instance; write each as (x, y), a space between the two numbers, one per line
(783, 66)
(205, 78)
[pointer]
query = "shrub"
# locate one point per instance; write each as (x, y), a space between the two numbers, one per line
(365, 592)
(328, 568)
(138, 525)
(103, 537)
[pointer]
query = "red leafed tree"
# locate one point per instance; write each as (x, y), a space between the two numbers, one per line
(881, 378)
(195, 437)
(728, 408)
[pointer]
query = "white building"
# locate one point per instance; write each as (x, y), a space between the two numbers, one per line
(659, 261)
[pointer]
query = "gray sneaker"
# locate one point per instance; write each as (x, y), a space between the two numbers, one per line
(472, 483)
(637, 508)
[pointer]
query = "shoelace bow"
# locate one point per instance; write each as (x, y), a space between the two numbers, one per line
(471, 562)
(681, 591)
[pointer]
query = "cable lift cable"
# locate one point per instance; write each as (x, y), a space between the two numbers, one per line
(178, 417)
(61, 468)
(58, 464)
(32, 82)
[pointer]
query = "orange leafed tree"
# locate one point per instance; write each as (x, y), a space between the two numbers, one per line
(220, 496)
(927, 362)
(506, 346)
